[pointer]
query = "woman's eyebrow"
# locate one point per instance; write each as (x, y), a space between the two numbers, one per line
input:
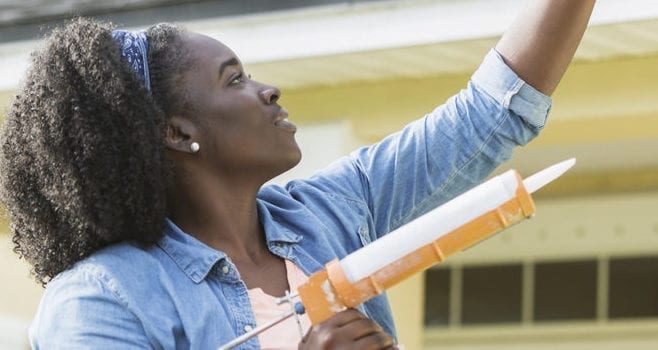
(230, 62)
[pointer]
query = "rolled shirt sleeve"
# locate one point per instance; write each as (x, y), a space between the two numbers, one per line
(497, 80)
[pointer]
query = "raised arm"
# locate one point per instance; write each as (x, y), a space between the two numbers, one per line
(542, 41)
(461, 142)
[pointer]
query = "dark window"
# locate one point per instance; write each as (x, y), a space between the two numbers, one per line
(633, 287)
(491, 294)
(437, 297)
(565, 290)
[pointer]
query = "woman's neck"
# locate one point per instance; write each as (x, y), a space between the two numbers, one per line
(224, 217)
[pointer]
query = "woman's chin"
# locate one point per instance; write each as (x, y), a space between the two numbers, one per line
(293, 160)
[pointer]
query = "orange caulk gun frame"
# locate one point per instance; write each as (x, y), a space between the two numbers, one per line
(329, 291)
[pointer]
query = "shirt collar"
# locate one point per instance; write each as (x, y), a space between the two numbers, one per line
(196, 259)
(192, 256)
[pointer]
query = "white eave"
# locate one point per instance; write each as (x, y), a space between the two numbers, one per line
(383, 40)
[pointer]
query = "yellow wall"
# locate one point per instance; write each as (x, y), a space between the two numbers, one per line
(407, 300)
(19, 296)
(20, 292)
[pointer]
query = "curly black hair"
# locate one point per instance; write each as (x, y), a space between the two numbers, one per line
(82, 157)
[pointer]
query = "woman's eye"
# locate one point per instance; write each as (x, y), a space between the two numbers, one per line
(239, 79)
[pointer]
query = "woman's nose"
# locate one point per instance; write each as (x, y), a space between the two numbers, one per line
(270, 94)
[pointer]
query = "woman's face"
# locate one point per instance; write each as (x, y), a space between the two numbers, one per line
(242, 129)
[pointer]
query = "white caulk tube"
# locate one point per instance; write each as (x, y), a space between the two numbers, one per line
(430, 226)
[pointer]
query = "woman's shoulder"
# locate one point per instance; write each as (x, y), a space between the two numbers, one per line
(119, 274)
(319, 188)
(108, 269)
(102, 292)
(118, 258)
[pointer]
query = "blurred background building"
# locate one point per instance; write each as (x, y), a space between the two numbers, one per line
(583, 274)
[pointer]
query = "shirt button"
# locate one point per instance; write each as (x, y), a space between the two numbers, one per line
(248, 328)
(225, 269)
(363, 231)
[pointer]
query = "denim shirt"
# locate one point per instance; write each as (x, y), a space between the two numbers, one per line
(182, 294)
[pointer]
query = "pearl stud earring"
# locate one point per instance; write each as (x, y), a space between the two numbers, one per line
(194, 147)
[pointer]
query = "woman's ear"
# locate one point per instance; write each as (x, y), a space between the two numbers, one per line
(181, 135)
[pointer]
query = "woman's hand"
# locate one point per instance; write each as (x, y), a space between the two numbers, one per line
(348, 329)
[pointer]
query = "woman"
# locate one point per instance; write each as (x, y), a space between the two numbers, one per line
(133, 167)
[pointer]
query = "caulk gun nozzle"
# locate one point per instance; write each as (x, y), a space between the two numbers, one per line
(540, 179)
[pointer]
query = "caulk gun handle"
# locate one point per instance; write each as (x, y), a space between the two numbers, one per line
(299, 309)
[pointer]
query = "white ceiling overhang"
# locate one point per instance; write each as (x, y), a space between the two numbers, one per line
(337, 44)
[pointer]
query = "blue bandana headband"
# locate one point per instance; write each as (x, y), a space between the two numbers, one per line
(134, 50)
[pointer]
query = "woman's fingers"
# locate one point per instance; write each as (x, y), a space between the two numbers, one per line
(361, 328)
(345, 317)
(375, 341)
(348, 329)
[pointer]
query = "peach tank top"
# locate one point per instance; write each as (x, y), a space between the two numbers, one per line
(285, 335)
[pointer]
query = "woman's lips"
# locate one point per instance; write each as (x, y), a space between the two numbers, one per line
(285, 124)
